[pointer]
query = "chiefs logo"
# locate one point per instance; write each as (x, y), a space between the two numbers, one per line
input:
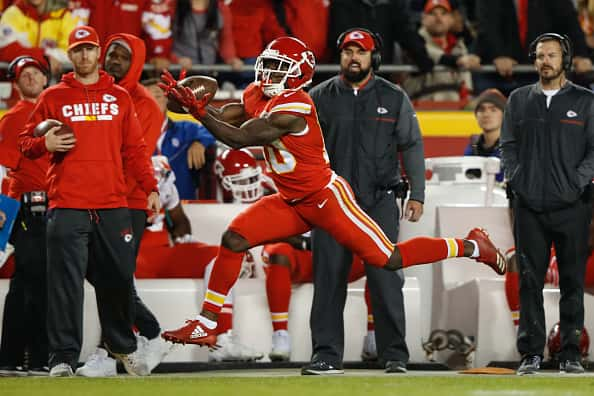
(109, 98)
(356, 35)
(81, 34)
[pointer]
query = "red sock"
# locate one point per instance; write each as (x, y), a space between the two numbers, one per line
(224, 275)
(512, 292)
(225, 319)
(424, 250)
(278, 290)
(370, 323)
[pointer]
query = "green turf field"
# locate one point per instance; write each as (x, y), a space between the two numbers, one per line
(458, 385)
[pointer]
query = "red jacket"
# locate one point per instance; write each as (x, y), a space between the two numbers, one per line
(108, 142)
(308, 21)
(149, 19)
(254, 26)
(25, 175)
(147, 110)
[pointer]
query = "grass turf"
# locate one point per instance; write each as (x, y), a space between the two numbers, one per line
(303, 386)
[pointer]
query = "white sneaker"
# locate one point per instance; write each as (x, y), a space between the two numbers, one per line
(281, 346)
(230, 350)
(135, 363)
(369, 348)
(99, 364)
(154, 350)
(61, 370)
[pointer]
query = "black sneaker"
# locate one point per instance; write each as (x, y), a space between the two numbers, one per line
(530, 365)
(320, 368)
(39, 371)
(395, 366)
(571, 367)
(12, 371)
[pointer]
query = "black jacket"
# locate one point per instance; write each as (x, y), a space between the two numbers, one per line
(498, 33)
(548, 153)
(364, 131)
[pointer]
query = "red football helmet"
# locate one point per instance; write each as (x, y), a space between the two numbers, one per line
(240, 174)
(554, 342)
(286, 58)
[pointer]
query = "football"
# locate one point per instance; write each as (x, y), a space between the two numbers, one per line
(201, 85)
(44, 126)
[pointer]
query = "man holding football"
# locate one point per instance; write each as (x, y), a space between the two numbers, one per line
(89, 228)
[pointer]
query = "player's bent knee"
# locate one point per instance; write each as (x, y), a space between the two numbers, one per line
(234, 242)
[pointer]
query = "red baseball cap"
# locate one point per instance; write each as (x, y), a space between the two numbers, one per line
(431, 4)
(83, 35)
(359, 37)
(23, 62)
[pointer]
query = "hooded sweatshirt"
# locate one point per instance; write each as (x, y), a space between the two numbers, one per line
(147, 110)
(108, 142)
(25, 175)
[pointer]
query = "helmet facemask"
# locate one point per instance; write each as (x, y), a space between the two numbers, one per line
(246, 185)
(273, 70)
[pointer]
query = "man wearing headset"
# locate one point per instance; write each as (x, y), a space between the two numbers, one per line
(23, 322)
(366, 121)
(547, 142)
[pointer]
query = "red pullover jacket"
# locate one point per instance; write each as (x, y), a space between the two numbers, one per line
(25, 175)
(147, 110)
(108, 141)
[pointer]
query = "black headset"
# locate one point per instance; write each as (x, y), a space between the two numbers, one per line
(11, 70)
(566, 48)
(376, 54)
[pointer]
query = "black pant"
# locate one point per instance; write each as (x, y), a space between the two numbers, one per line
(97, 244)
(145, 321)
(534, 233)
(24, 319)
(331, 267)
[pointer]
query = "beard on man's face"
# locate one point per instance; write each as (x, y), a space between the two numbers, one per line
(356, 75)
(550, 76)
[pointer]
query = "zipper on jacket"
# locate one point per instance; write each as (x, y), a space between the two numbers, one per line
(547, 151)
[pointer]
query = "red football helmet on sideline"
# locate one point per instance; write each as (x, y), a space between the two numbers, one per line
(287, 57)
(240, 174)
(554, 342)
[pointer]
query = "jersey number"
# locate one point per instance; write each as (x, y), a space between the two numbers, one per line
(279, 158)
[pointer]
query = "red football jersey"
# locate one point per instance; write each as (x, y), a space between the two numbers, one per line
(297, 161)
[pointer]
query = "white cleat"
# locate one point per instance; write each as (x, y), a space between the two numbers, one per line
(154, 350)
(281, 346)
(61, 370)
(98, 365)
(369, 352)
(230, 350)
(135, 363)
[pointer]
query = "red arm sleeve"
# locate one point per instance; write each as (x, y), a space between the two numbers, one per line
(34, 147)
(134, 152)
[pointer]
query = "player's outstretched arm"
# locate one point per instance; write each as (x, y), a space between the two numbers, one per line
(254, 132)
(231, 113)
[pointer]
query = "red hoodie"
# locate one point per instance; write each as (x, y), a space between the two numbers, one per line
(147, 110)
(108, 141)
(25, 175)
